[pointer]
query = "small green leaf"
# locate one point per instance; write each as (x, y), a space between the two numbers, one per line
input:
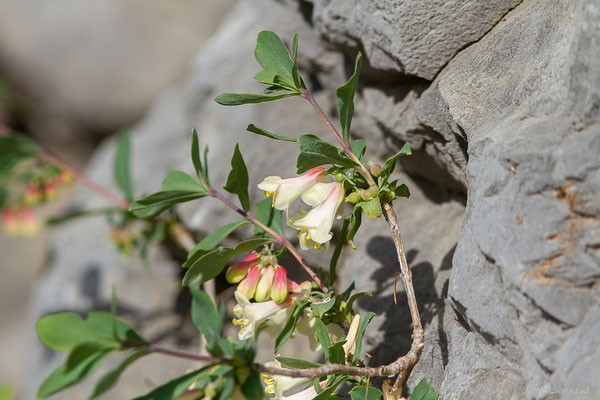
(355, 221)
(18, 144)
(174, 388)
(80, 214)
(154, 204)
(326, 394)
(205, 315)
(252, 388)
(179, 180)
(390, 163)
(121, 169)
(272, 54)
(196, 154)
(323, 307)
(358, 147)
(108, 380)
(295, 75)
(372, 207)
(361, 332)
(255, 129)
(336, 252)
(402, 191)
(212, 240)
(315, 152)
(209, 265)
(66, 330)
(336, 353)
(345, 98)
(272, 78)
(423, 391)
(364, 392)
(226, 388)
(323, 337)
(292, 362)
(83, 351)
(237, 99)
(60, 379)
(112, 327)
(268, 215)
(237, 181)
(289, 327)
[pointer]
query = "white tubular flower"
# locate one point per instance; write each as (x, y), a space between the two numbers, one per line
(316, 225)
(249, 316)
(350, 345)
(284, 191)
(317, 193)
(278, 384)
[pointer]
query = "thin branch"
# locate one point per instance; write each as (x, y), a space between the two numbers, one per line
(112, 197)
(278, 238)
(365, 172)
(418, 339)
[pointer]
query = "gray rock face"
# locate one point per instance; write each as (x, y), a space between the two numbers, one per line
(526, 272)
(409, 37)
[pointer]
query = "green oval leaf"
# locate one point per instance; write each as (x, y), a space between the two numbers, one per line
(315, 152)
(345, 98)
(292, 362)
(121, 168)
(237, 181)
(272, 54)
(237, 99)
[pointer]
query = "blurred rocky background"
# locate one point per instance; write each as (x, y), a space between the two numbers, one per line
(500, 101)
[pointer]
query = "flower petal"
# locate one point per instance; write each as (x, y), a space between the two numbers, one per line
(248, 285)
(236, 272)
(317, 193)
(263, 289)
(279, 290)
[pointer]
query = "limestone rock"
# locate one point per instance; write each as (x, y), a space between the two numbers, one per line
(407, 37)
(525, 273)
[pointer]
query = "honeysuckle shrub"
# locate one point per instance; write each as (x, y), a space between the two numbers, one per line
(329, 175)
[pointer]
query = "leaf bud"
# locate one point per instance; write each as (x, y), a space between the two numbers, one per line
(352, 198)
(375, 169)
(366, 196)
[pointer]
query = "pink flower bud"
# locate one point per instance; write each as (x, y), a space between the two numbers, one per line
(279, 291)
(263, 289)
(236, 272)
(247, 286)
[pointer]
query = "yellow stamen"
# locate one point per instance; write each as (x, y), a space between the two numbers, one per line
(237, 310)
(318, 246)
(269, 390)
(240, 322)
(268, 380)
(270, 194)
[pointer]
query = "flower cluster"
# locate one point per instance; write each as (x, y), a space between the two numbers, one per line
(259, 278)
(20, 222)
(315, 188)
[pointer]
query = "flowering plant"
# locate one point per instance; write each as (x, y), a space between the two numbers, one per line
(329, 176)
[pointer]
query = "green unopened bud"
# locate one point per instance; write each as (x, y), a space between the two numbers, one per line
(339, 177)
(352, 198)
(366, 196)
(373, 190)
(375, 168)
